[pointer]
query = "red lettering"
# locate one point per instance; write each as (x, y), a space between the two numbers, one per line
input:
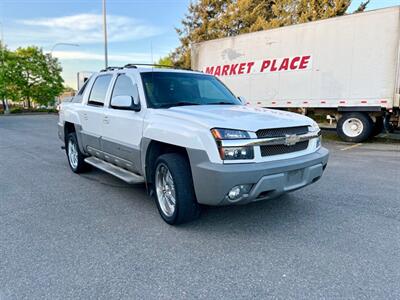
(284, 64)
(293, 62)
(225, 69)
(210, 70)
(241, 68)
(265, 65)
(218, 71)
(304, 62)
(233, 69)
(249, 66)
(273, 67)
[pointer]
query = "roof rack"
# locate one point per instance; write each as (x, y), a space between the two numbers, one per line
(134, 66)
(111, 69)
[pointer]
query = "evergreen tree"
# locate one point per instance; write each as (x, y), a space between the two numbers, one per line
(243, 16)
(289, 12)
(201, 23)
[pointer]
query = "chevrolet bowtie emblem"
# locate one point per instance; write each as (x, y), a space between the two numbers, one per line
(291, 139)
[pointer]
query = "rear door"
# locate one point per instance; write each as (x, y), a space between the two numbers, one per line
(92, 114)
(122, 129)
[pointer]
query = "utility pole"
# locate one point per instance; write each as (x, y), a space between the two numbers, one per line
(105, 34)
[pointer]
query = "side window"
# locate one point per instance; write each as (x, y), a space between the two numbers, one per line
(99, 90)
(125, 87)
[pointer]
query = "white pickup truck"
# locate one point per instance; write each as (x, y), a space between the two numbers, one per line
(188, 138)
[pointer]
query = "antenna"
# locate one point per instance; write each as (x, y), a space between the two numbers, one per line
(151, 51)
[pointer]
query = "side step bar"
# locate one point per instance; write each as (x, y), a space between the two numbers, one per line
(122, 174)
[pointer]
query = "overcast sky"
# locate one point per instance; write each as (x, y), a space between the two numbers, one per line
(139, 30)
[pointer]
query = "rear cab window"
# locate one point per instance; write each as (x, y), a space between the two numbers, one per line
(82, 90)
(79, 96)
(99, 90)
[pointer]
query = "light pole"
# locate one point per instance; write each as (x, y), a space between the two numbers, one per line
(62, 44)
(105, 34)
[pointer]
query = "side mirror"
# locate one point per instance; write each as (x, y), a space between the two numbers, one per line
(242, 99)
(125, 102)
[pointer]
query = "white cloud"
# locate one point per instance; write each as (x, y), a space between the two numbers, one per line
(81, 28)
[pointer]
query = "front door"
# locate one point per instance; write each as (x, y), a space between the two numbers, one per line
(122, 129)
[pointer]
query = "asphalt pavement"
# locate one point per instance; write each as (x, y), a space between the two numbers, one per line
(92, 236)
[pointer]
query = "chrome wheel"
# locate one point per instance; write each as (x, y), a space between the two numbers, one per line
(353, 127)
(73, 154)
(165, 189)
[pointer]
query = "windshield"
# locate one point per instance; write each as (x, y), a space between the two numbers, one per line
(167, 89)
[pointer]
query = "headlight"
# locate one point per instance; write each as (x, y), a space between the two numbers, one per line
(314, 127)
(232, 153)
(229, 134)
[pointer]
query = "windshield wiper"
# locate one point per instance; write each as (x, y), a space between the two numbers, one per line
(181, 103)
(221, 103)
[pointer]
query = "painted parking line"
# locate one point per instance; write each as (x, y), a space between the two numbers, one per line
(351, 147)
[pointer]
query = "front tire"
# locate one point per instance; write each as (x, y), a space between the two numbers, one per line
(354, 127)
(76, 159)
(174, 191)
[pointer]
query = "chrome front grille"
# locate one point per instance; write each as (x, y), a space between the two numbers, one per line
(278, 132)
(270, 150)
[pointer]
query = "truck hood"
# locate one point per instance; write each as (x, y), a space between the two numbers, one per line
(236, 117)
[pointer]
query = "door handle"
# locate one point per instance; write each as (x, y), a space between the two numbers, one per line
(85, 116)
(106, 120)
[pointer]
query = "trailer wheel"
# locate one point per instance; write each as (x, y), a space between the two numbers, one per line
(354, 127)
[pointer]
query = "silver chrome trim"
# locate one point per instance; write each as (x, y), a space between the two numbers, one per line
(118, 172)
(289, 139)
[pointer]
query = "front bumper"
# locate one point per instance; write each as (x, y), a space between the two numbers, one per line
(212, 181)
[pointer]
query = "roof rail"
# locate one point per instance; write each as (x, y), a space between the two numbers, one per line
(111, 69)
(134, 66)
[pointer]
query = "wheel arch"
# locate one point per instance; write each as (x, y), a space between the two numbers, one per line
(153, 149)
(70, 127)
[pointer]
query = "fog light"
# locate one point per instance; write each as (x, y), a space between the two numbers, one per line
(238, 191)
(232, 153)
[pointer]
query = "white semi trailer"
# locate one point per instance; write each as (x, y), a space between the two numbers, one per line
(347, 67)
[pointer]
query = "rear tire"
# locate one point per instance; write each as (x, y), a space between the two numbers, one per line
(354, 127)
(76, 159)
(174, 190)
